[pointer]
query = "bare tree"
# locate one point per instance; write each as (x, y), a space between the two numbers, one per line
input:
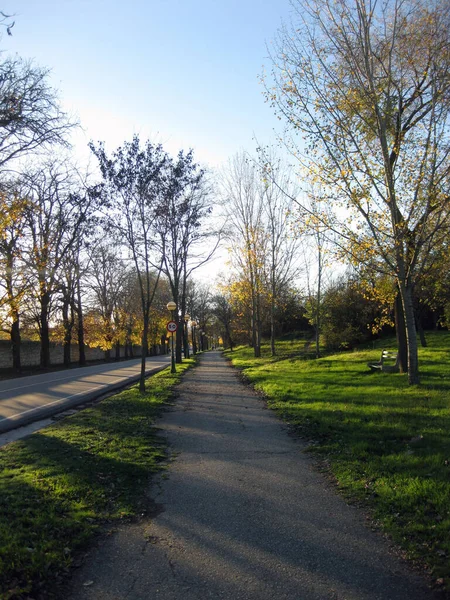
(134, 180)
(314, 262)
(13, 279)
(367, 86)
(282, 236)
(201, 306)
(243, 195)
(107, 280)
(30, 114)
(55, 213)
(68, 290)
(182, 230)
(223, 311)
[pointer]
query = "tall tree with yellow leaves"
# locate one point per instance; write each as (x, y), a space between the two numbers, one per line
(13, 281)
(243, 194)
(367, 86)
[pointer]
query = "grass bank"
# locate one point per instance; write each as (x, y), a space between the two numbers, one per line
(61, 484)
(387, 444)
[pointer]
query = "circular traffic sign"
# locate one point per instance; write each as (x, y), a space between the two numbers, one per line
(172, 326)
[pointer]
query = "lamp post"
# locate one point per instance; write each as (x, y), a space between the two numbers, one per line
(194, 345)
(172, 327)
(186, 337)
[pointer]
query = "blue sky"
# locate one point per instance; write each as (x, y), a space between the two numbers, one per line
(185, 73)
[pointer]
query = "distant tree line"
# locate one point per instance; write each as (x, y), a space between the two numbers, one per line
(84, 259)
(97, 263)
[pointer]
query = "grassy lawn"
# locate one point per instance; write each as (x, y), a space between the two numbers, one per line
(387, 444)
(61, 484)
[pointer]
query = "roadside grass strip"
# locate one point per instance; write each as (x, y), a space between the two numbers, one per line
(386, 444)
(60, 485)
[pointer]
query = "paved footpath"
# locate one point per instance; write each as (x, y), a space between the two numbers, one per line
(242, 515)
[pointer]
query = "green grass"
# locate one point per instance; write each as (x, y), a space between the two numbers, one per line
(61, 484)
(387, 444)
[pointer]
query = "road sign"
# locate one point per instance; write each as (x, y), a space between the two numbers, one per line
(172, 326)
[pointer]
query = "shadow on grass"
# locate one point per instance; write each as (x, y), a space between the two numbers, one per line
(57, 486)
(51, 509)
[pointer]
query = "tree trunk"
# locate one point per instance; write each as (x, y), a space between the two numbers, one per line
(81, 346)
(144, 354)
(258, 339)
(67, 333)
(117, 350)
(319, 296)
(272, 325)
(257, 326)
(400, 332)
(15, 344)
(273, 295)
(183, 322)
(14, 311)
(253, 318)
(66, 354)
(411, 335)
(185, 340)
(194, 341)
(419, 328)
(317, 323)
(44, 332)
(421, 332)
(178, 340)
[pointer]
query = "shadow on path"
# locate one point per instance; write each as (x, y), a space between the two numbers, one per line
(245, 515)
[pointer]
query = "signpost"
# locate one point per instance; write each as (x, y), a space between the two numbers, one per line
(171, 328)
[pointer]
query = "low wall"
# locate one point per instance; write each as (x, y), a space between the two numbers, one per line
(30, 353)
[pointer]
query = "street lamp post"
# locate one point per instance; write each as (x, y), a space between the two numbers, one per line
(186, 336)
(172, 327)
(194, 344)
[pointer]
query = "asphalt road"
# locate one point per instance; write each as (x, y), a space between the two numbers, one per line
(27, 399)
(243, 515)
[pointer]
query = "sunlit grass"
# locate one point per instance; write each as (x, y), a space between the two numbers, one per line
(60, 484)
(386, 443)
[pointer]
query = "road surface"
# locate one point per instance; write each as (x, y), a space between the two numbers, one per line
(28, 399)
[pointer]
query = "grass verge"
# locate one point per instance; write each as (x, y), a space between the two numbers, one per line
(59, 485)
(387, 444)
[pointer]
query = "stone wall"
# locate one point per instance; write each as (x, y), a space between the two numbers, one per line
(30, 353)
